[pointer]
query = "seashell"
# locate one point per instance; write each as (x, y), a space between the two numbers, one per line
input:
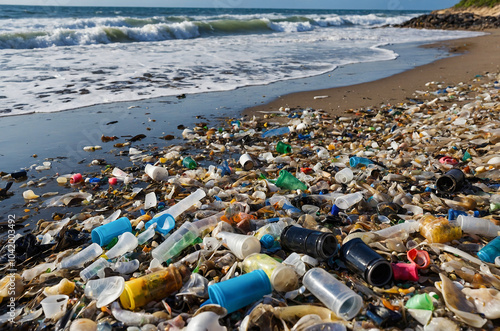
(83, 324)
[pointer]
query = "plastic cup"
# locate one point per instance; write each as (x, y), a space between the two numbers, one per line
(283, 148)
(360, 258)
(420, 258)
(76, 178)
(334, 294)
(105, 233)
(288, 181)
(348, 200)
(246, 161)
(317, 244)
(238, 292)
(156, 173)
(405, 271)
(105, 290)
(54, 305)
(344, 176)
(241, 245)
(126, 242)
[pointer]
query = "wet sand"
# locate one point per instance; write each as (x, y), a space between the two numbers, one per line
(475, 57)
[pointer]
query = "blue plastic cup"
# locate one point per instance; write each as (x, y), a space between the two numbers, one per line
(105, 233)
(489, 252)
(236, 293)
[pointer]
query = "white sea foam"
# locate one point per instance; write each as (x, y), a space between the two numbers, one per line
(54, 65)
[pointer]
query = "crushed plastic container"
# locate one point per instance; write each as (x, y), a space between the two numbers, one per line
(283, 278)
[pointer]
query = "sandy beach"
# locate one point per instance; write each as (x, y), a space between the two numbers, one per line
(475, 56)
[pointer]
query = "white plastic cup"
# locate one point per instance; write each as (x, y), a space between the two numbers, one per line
(348, 200)
(54, 305)
(334, 294)
(126, 242)
(344, 176)
(246, 161)
(241, 245)
(156, 173)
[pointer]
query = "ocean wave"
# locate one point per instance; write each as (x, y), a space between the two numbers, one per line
(99, 30)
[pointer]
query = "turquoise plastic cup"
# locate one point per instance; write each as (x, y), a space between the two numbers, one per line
(105, 233)
(238, 292)
(287, 181)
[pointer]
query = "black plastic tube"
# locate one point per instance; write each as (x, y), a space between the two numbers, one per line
(360, 258)
(450, 181)
(317, 244)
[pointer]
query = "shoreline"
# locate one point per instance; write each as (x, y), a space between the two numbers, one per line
(476, 56)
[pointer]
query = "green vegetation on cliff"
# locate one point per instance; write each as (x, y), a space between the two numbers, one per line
(477, 3)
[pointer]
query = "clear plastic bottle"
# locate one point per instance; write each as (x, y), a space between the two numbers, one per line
(439, 229)
(79, 259)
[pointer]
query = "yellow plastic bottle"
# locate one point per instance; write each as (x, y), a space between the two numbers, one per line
(283, 278)
(155, 286)
(438, 229)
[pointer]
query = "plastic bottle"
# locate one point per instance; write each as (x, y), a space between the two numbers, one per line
(276, 132)
(438, 229)
(335, 295)
(126, 267)
(189, 163)
(356, 160)
(451, 181)
(154, 286)
(317, 244)
(103, 234)
(127, 242)
(238, 292)
(166, 219)
(360, 258)
(95, 269)
(283, 278)
(287, 181)
(80, 258)
(348, 200)
(177, 242)
(478, 226)
(156, 173)
(146, 235)
(122, 175)
(274, 229)
(407, 227)
(283, 148)
(489, 252)
(241, 245)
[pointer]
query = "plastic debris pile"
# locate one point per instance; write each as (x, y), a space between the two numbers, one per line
(385, 219)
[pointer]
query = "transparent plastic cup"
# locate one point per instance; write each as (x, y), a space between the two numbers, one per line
(156, 173)
(79, 259)
(105, 233)
(241, 245)
(127, 242)
(287, 181)
(335, 295)
(344, 176)
(105, 290)
(238, 292)
(348, 200)
(54, 305)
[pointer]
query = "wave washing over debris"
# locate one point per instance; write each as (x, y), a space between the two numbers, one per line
(384, 219)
